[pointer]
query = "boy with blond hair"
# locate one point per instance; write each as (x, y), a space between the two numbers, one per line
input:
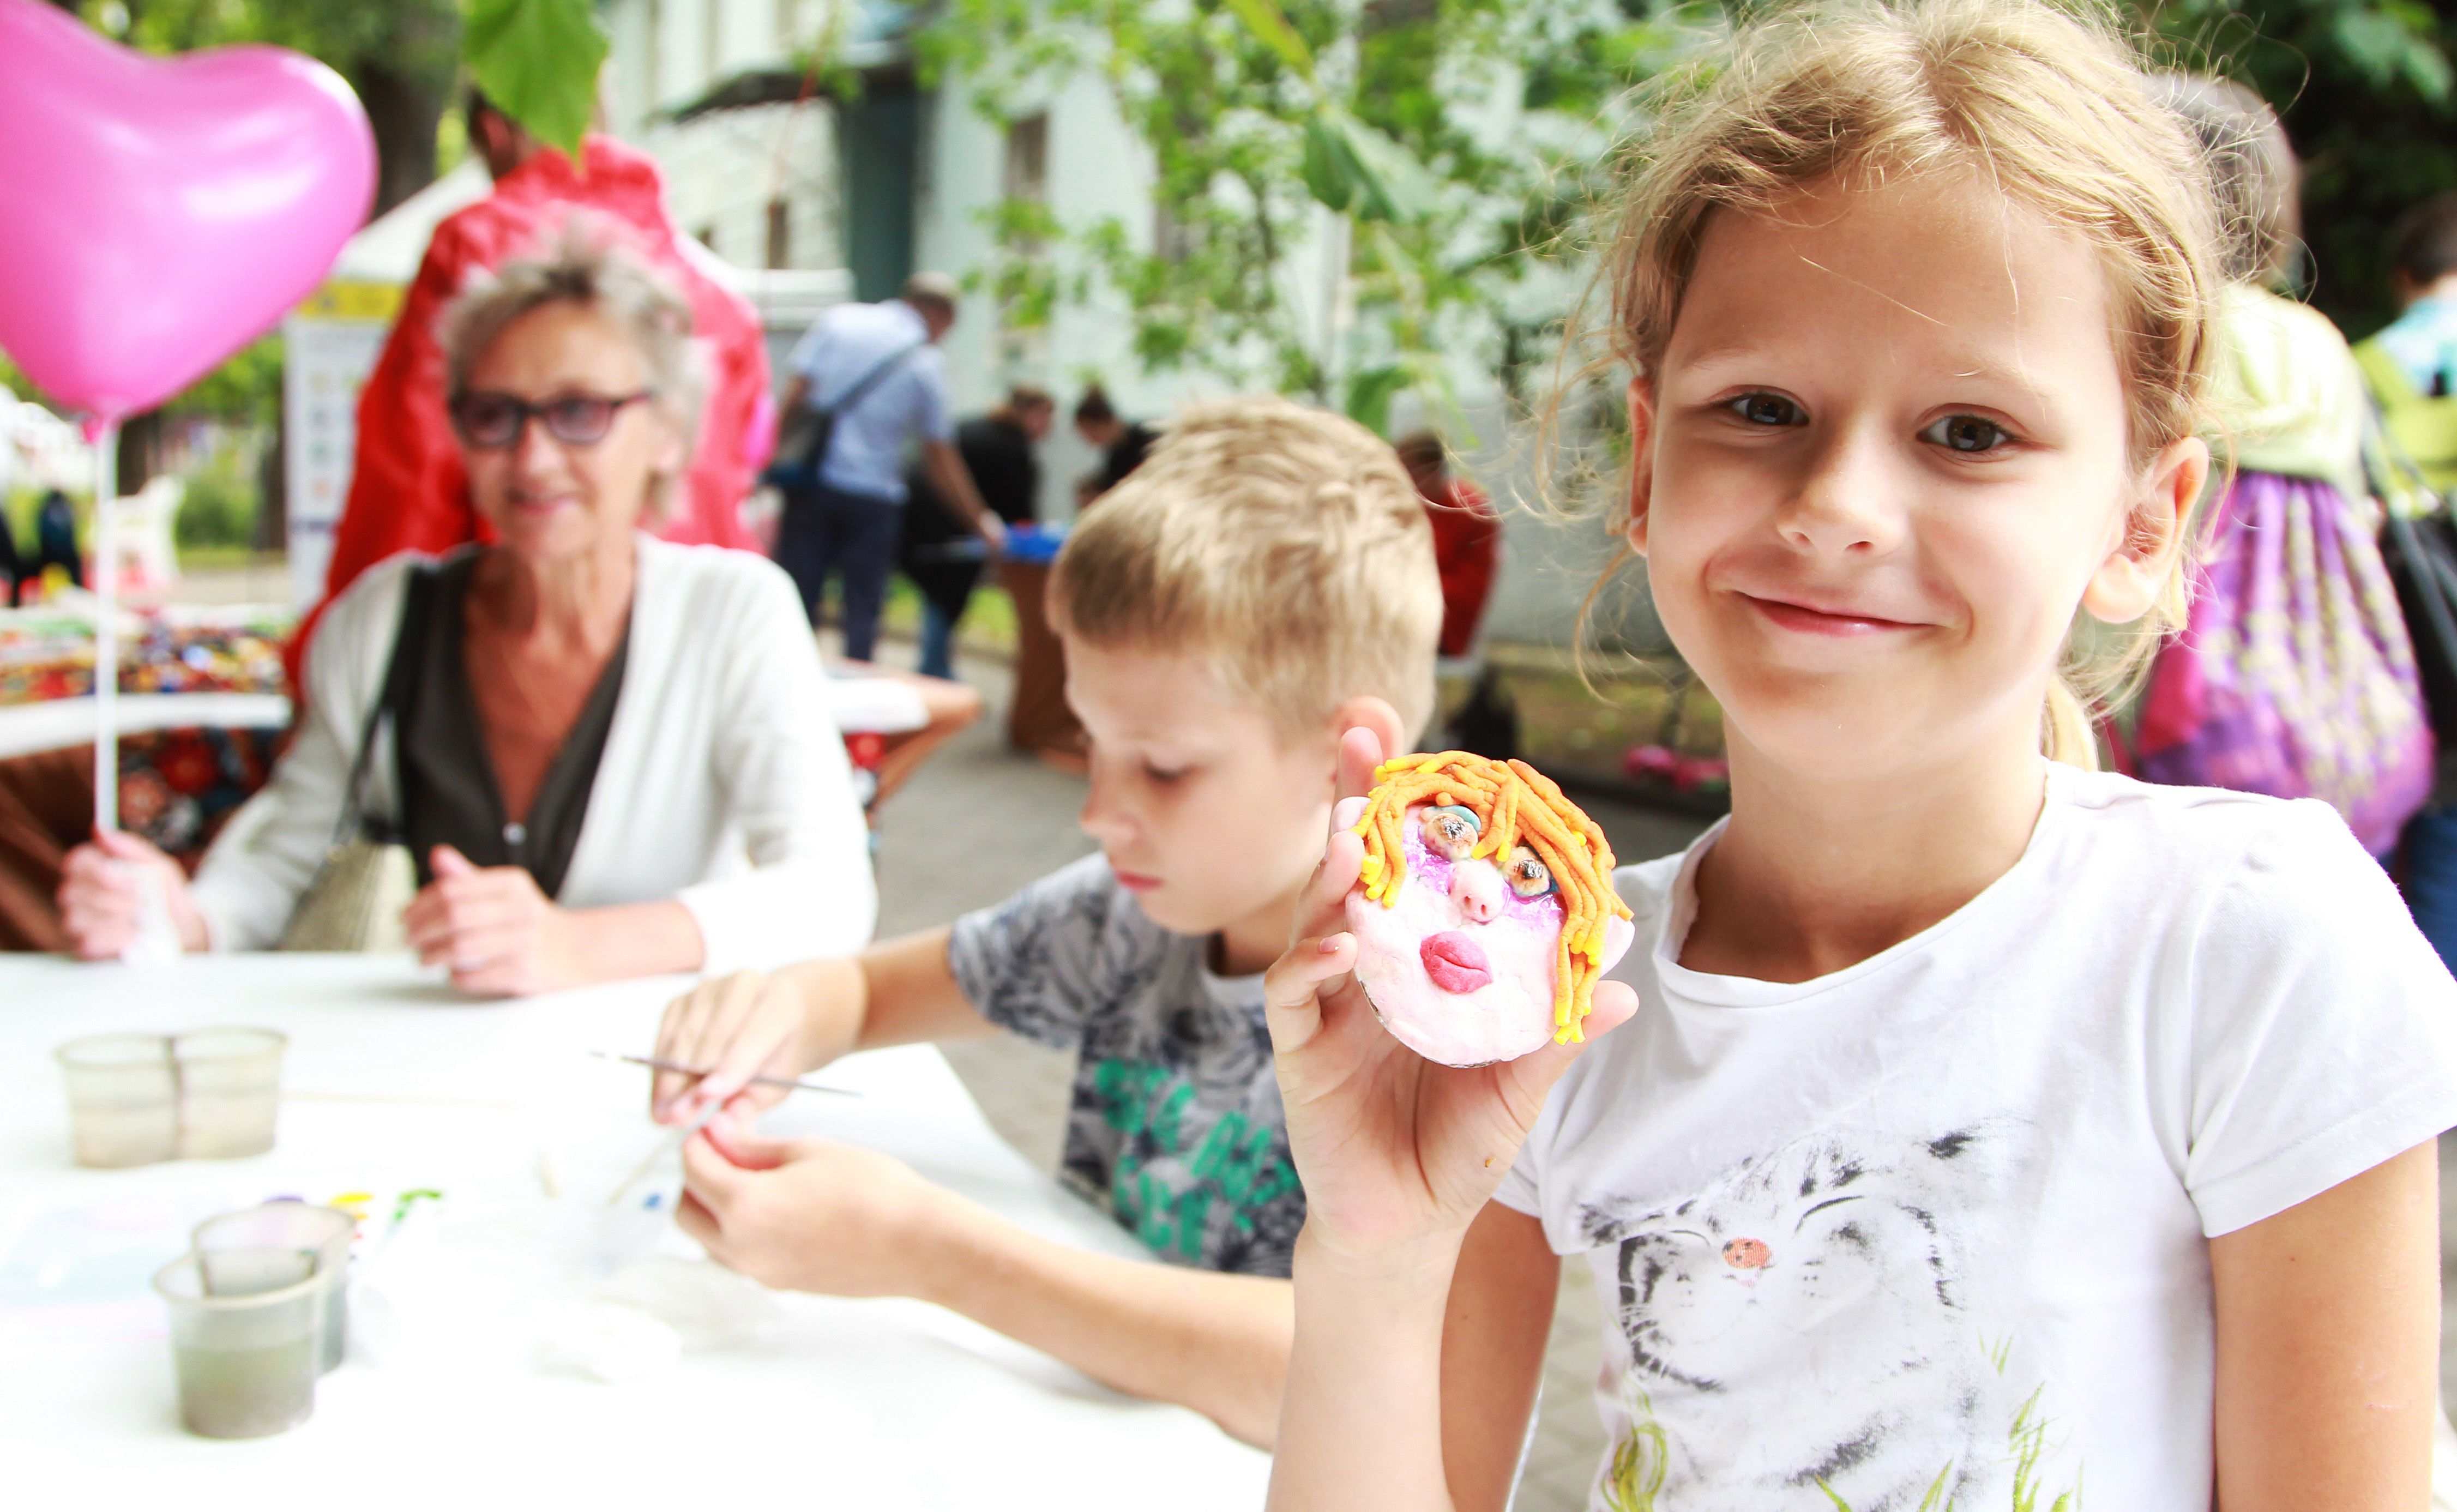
(1265, 582)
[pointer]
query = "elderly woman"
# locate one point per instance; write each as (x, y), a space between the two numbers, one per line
(608, 755)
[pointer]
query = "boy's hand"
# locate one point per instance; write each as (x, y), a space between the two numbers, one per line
(736, 1027)
(808, 1214)
(1394, 1150)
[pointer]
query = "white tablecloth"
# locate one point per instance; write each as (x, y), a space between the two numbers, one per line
(858, 704)
(393, 1081)
(26, 728)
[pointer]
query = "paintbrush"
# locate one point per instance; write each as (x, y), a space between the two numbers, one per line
(695, 1072)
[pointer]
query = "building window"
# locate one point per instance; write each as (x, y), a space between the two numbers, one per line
(1028, 159)
(780, 234)
(1170, 242)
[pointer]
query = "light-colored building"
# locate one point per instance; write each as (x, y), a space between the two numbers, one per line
(772, 172)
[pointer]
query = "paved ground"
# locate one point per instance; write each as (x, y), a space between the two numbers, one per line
(980, 821)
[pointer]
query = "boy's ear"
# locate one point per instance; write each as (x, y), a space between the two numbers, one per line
(1642, 460)
(2136, 571)
(1369, 713)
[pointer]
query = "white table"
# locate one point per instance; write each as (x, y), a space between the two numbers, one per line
(26, 728)
(851, 1404)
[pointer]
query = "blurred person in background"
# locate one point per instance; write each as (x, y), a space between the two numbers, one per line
(610, 756)
(2412, 362)
(1123, 444)
(1467, 537)
(2295, 675)
(409, 489)
(869, 388)
(998, 450)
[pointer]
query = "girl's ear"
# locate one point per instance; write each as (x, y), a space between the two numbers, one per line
(2127, 585)
(1642, 460)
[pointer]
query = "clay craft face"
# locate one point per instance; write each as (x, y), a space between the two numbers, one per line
(1461, 930)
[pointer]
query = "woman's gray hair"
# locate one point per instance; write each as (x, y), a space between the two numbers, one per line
(591, 262)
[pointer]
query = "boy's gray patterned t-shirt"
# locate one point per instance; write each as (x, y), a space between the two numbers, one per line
(1176, 1124)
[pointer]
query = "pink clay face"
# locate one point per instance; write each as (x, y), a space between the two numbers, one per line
(1460, 968)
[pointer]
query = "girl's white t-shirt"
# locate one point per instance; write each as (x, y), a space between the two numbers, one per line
(1932, 1231)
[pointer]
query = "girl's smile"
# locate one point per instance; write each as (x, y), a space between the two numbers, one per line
(1824, 617)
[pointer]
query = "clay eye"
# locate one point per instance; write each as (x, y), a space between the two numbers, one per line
(1527, 877)
(1452, 830)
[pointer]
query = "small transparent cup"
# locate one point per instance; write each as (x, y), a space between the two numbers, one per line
(245, 1345)
(229, 1248)
(123, 1099)
(229, 1090)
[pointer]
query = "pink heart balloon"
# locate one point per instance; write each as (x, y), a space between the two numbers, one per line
(161, 211)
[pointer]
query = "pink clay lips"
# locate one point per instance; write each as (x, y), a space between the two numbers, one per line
(1456, 963)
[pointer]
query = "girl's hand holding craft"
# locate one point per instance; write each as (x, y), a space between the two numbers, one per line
(1398, 1154)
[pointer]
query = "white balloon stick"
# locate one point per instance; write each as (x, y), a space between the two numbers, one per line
(106, 626)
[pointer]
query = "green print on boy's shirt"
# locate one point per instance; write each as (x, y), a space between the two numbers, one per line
(1172, 1183)
(1175, 1125)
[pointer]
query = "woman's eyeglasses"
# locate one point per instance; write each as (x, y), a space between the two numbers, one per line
(494, 422)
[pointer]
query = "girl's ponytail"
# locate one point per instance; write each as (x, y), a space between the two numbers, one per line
(2065, 729)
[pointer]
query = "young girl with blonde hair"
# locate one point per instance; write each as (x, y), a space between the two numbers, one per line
(1979, 1128)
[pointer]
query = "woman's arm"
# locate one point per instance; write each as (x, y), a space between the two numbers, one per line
(2329, 1346)
(781, 765)
(266, 858)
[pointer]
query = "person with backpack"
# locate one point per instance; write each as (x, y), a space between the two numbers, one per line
(869, 384)
(2412, 362)
(2295, 675)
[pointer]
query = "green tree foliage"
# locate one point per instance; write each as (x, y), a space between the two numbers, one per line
(538, 61)
(1443, 139)
(2365, 89)
(1465, 140)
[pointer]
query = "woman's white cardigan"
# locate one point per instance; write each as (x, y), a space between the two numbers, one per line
(723, 782)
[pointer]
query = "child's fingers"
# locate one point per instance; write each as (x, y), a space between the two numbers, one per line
(1293, 988)
(734, 1140)
(712, 1177)
(1323, 908)
(693, 1217)
(1531, 1076)
(739, 1040)
(1345, 814)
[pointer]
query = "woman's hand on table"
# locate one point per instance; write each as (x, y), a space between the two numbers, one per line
(493, 929)
(102, 896)
(810, 1215)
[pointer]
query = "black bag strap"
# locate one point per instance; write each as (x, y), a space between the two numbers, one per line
(417, 610)
(870, 379)
(2433, 575)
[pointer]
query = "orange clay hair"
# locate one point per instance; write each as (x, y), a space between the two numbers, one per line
(1514, 806)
